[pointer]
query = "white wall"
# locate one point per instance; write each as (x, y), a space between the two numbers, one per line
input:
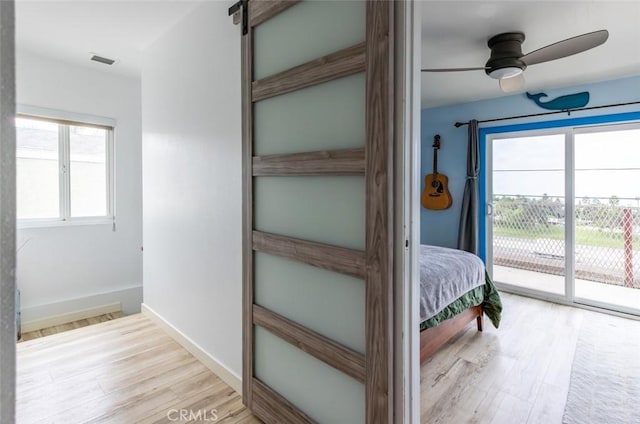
(192, 181)
(65, 269)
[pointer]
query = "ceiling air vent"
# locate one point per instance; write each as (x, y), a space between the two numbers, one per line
(101, 59)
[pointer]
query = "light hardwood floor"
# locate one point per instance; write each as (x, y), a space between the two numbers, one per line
(514, 375)
(69, 326)
(123, 371)
(128, 370)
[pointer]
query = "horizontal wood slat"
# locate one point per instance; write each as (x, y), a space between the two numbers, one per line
(262, 10)
(333, 258)
(332, 162)
(273, 408)
(336, 65)
(342, 358)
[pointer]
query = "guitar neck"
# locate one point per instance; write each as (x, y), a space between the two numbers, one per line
(435, 161)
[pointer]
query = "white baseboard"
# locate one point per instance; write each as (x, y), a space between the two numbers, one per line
(36, 317)
(39, 324)
(228, 376)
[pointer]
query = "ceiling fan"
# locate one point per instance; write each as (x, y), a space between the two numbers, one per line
(507, 62)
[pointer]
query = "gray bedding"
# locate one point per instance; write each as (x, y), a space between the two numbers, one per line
(445, 275)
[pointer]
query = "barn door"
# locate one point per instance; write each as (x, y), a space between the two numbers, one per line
(318, 222)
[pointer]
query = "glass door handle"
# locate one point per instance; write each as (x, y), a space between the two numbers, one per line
(489, 209)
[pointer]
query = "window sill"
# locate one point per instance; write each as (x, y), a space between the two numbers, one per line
(26, 223)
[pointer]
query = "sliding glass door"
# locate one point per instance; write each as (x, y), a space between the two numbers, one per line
(563, 214)
(607, 216)
(526, 212)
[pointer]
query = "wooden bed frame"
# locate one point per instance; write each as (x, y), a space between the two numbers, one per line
(432, 339)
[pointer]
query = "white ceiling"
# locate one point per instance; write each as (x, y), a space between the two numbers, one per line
(70, 30)
(455, 33)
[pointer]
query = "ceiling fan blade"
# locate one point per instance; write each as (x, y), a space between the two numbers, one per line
(567, 47)
(509, 85)
(482, 68)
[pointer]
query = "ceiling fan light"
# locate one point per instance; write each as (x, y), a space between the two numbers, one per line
(507, 72)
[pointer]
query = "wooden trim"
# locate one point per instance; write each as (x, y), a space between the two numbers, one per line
(262, 10)
(327, 68)
(273, 408)
(247, 219)
(432, 339)
(379, 187)
(342, 358)
(332, 162)
(333, 258)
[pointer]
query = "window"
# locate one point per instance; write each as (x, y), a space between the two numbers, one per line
(64, 170)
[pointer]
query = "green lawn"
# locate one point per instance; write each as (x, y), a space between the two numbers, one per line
(585, 236)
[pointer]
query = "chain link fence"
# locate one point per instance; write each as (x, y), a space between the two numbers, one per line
(529, 234)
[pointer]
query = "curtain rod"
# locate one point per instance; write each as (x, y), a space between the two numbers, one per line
(568, 112)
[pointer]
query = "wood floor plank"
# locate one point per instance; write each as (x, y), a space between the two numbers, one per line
(161, 361)
(60, 398)
(31, 335)
(223, 404)
(102, 331)
(122, 371)
(213, 400)
(512, 410)
(64, 367)
(517, 374)
(170, 378)
(549, 405)
(449, 391)
(128, 411)
(188, 387)
(101, 368)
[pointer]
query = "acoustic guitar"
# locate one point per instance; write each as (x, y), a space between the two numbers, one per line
(436, 194)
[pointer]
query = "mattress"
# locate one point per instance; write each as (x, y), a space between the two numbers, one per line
(445, 275)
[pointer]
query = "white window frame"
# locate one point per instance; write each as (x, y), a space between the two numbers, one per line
(65, 119)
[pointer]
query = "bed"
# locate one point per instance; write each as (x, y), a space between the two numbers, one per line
(454, 290)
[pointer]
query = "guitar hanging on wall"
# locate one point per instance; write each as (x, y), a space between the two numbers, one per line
(436, 194)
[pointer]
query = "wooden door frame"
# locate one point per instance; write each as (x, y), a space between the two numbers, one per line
(376, 264)
(380, 240)
(7, 213)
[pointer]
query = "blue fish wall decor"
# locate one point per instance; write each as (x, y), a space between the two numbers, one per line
(568, 102)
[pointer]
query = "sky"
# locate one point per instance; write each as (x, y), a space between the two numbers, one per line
(607, 164)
